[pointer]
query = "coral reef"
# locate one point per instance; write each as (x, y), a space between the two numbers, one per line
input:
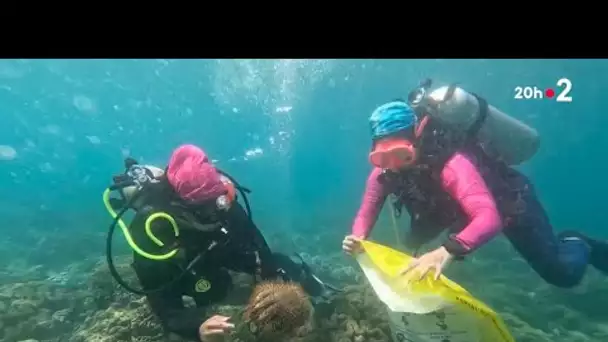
(60, 306)
(39, 310)
(131, 322)
(278, 309)
(354, 315)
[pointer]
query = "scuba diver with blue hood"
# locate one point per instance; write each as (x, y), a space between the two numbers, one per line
(446, 157)
(188, 231)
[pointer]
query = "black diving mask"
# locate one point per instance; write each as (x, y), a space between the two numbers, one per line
(205, 216)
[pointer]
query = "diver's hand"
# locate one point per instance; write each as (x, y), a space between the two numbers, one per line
(437, 260)
(352, 244)
(214, 327)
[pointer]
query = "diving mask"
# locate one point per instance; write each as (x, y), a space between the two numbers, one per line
(393, 153)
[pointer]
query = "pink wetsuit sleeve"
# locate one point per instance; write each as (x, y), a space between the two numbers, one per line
(463, 182)
(371, 205)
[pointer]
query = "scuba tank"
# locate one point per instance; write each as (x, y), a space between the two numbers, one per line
(501, 136)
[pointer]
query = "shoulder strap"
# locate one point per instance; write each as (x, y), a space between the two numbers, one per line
(481, 118)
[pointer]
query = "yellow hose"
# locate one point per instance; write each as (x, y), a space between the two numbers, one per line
(153, 217)
(129, 238)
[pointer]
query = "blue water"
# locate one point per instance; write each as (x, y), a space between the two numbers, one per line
(295, 131)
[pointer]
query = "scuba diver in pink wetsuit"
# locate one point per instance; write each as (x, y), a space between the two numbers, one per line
(446, 179)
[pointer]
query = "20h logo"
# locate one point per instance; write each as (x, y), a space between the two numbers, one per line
(533, 92)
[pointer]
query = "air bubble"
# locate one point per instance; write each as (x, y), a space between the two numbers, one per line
(7, 153)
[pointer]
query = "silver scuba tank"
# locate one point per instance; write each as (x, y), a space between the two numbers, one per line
(500, 135)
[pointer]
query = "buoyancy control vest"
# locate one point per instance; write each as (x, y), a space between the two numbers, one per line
(145, 190)
(419, 189)
(458, 121)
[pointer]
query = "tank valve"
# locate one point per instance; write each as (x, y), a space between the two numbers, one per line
(418, 95)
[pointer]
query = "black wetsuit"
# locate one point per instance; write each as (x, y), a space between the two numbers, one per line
(243, 249)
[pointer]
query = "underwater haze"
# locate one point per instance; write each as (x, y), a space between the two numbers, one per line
(296, 133)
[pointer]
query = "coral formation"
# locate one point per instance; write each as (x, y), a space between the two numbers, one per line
(39, 310)
(120, 323)
(278, 309)
(52, 307)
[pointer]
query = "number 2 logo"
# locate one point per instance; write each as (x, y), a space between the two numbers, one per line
(535, 93)
(563, 95)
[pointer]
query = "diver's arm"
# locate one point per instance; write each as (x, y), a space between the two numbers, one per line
(238, 220)
(256, 252)
(461, 179)
(371, 205)
(166, 305)
(175, 318)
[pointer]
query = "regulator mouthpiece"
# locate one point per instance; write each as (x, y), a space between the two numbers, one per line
(222, 202)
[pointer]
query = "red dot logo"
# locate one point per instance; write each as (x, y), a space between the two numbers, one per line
(549, 93)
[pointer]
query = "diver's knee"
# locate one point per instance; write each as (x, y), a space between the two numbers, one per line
(279, 258)
(285, 262)
(566, 283)
(300, 273)
(562, 279)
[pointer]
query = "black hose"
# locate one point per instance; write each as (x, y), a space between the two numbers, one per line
(112, 267)
(121, 281)
(246, 200)
(242, 190)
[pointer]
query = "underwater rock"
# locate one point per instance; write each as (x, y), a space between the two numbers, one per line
(352, 328)
(50, 328)
(31, 313)
(117, 324)
(341, 339)
(104, 289)
(22, 307)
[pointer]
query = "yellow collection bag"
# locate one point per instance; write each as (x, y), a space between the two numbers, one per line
(427, 310)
